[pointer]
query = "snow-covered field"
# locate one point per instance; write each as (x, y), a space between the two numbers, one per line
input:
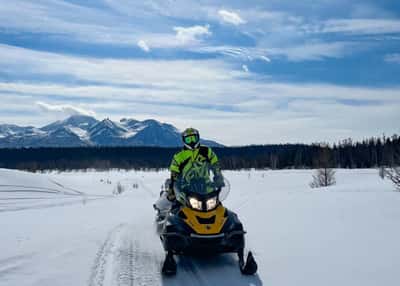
(72, 229)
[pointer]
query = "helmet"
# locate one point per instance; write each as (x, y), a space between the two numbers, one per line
(191, 138)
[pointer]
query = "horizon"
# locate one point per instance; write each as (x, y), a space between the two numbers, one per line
(241, 72)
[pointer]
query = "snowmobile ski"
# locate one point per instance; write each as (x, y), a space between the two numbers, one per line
(250, 266)
(169, 265)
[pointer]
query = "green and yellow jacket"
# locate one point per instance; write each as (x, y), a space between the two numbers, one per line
(184, 159)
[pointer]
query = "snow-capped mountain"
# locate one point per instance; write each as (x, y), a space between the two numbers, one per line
(80, 130)
(78, 121)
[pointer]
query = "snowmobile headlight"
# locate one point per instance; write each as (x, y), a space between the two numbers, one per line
(211, 203)
(195, 203)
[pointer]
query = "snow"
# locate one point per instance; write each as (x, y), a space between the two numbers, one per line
(81, 133)
(133, 130)
(72, 229)
(129, 134)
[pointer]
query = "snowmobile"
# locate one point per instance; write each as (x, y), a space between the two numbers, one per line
(198, 223)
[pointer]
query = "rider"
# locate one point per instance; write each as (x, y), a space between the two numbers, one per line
(193, 152)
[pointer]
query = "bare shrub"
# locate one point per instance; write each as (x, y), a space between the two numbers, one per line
(393, 174)
(323, 178)
(119, 189)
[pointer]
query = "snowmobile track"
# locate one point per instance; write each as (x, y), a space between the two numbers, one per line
(123, 261)
(23, 197)
(101, 263)
(137, 265)
(13, 264)
(75, 192)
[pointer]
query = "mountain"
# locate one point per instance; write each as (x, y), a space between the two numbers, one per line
(154, 133)
(80, 130)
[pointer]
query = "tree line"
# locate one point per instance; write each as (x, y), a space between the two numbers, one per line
(369, 153)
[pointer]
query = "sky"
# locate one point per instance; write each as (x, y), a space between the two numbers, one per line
(242, 72)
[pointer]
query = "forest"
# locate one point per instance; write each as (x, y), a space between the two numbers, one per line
(369, 153)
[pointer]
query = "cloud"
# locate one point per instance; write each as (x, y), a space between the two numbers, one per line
(242, 53)
(143, 45)
(230, 17)
(392, 58)
(63, 20)
(65, 109)
(361, 26)
(245, 68)
(268, 60)
(313, 51)
(161, 73)
(187, 35)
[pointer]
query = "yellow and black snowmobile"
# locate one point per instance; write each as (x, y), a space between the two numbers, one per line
(198, 223)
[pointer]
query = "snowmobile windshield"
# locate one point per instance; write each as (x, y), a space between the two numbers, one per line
(201, 181)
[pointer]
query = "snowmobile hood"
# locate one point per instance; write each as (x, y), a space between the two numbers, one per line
(210, 222)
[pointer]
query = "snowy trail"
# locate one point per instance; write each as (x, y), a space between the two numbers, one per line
(124, 260)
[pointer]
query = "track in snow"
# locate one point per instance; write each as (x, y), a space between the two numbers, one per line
(23, 197)
(127, 258)
(13, 264)
(20, 197)
(124, 261)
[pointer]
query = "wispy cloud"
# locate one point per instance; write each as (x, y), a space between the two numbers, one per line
(393, 58)
(64, 20)
(301, 52)
(362, 26)
(236, 52)
(66, 109)
(313, 51)
(132, 71)
(230, 17)
(265, 58)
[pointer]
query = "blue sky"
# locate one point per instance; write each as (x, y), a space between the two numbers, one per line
(242, 72)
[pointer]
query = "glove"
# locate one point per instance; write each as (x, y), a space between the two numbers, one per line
(219, 182)
(171, 195)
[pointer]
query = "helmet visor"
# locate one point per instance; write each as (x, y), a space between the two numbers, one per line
(191, 139)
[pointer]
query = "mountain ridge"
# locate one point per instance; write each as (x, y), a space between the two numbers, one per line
(82, 130)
